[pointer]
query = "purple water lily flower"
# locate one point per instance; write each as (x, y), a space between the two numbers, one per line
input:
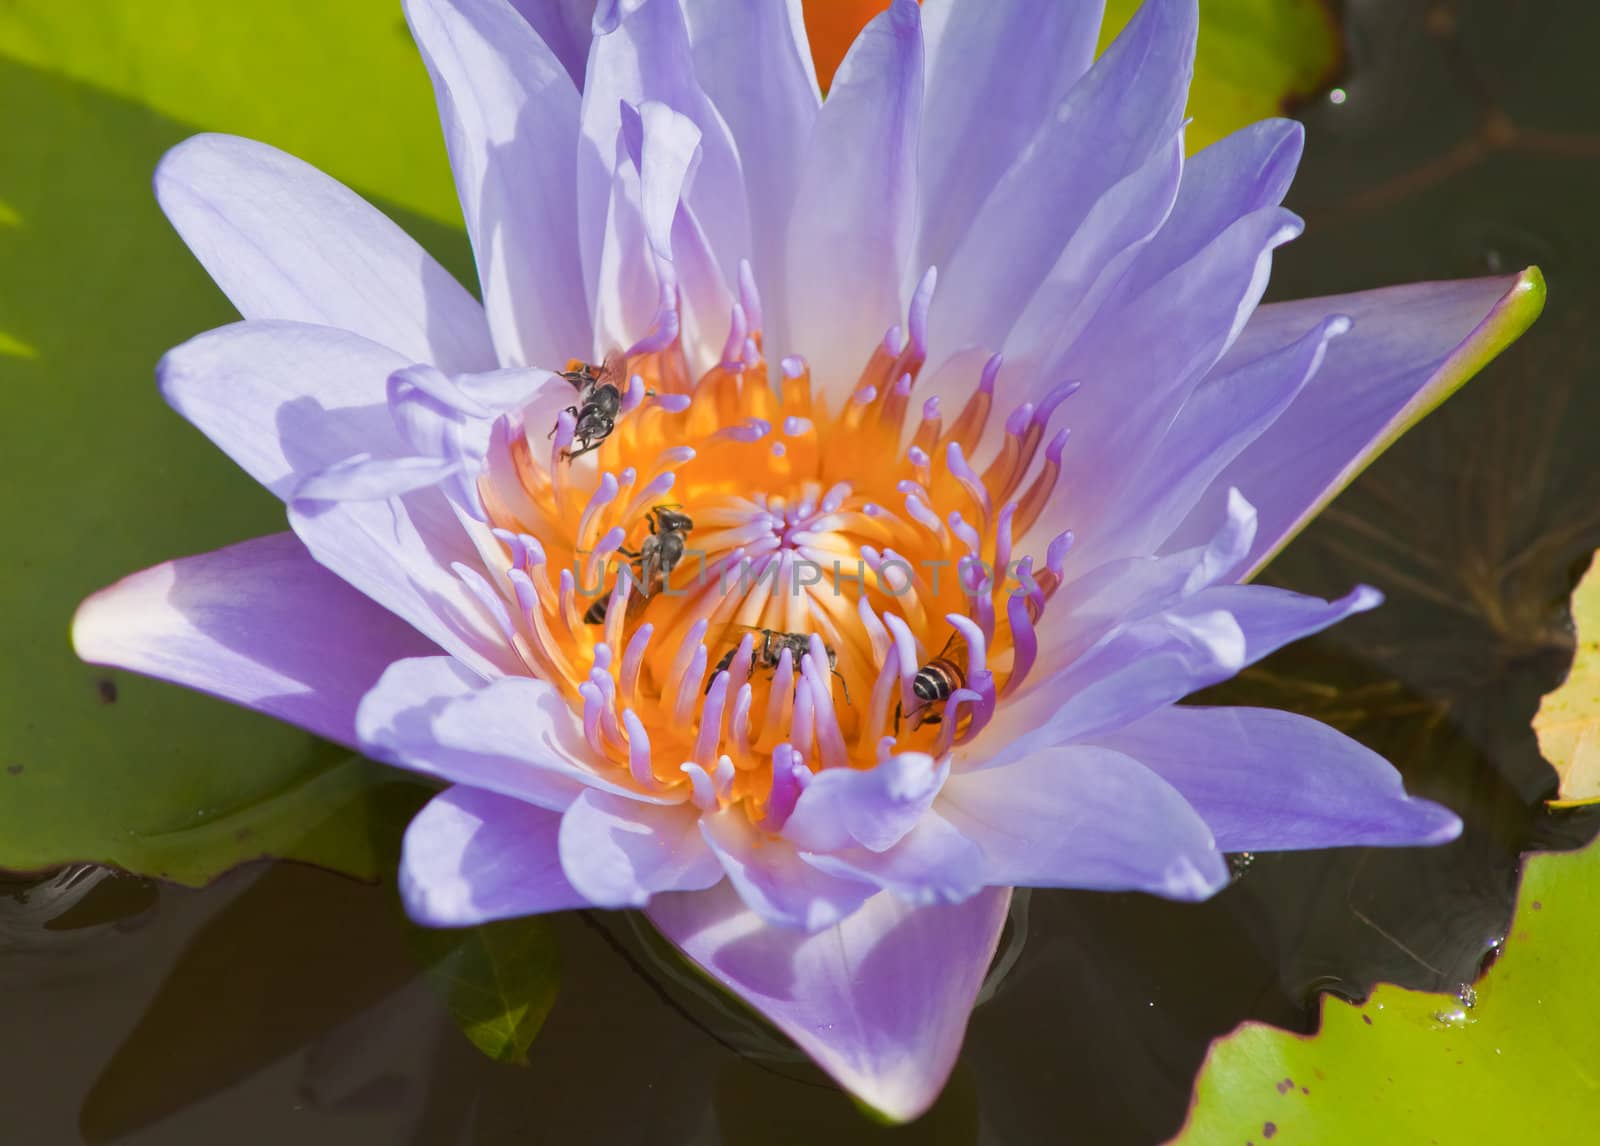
(728, 561)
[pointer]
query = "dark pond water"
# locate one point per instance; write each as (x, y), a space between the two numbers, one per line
(281, 1005)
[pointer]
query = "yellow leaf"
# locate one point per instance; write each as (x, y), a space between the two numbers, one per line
(1568, 720)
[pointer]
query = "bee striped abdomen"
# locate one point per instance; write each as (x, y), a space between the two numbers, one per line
(936, 680)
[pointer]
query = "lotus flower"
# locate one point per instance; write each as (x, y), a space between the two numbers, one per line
(906, 645)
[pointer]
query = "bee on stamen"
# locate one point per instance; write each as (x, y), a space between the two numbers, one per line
(653, 561)
(599, 403)
(769, 652)
(663, 549)
(933, 684)
(595, 614)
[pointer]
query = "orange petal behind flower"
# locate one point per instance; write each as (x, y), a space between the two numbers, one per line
(833, 26)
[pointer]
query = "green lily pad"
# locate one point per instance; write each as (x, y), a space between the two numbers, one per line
(100, 478)
(499, 981)
(339, 85)
(1255, 58)
(1511, 1060)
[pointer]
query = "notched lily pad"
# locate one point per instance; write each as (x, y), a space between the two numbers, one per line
(1506, 1060)
(1568, 720)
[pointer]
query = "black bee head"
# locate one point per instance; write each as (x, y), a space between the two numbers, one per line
(670, 521)
(579, 374)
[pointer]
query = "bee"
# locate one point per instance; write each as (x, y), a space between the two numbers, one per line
(653, 561)
(581, 374)
(934, 682)
(769, 652)
(595, 614)
(663, 549)
(599, 402)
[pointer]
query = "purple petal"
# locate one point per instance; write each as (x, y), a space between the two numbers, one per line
(402, 553)
(284, 399)
(871, 807)
(1270, 617)
(1410, 346)
(1246, 173)
(566, 28)
(286, 242)
(631, 298)
(610, 13)
(637, 290)
(1275, 781)
(259, 623)
(879, 1001)
(850, 236)
(1234, 177)
(1128, 105)
(473, 857)
(707, 297)
(288, 401)
(515, 736)
(1088, 818)
(774, 881)
(1138, 669)
(619, 852)
(365, 478)
(443, 421)
(1127, 590)
(1228, 411)
(504, 390)
(1155, 662)
(933, 863)
(755, 62)
(1093, 264)
(647, 57)
(510, 115)
(668, 150)
(1141, 359)
(996, 70)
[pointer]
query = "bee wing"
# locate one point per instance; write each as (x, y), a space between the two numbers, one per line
(602, 611)
(731, 632)
(650, 568)
(613, 371)
(955, 648)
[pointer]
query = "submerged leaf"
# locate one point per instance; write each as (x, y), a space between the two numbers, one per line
(1506, 1061)
(499, 981)
(1568, 720)
(297, 953)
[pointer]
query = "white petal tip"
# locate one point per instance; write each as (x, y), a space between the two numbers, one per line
(102, 624)
(1364, 598)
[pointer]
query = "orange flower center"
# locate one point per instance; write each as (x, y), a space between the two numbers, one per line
(737, 585)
